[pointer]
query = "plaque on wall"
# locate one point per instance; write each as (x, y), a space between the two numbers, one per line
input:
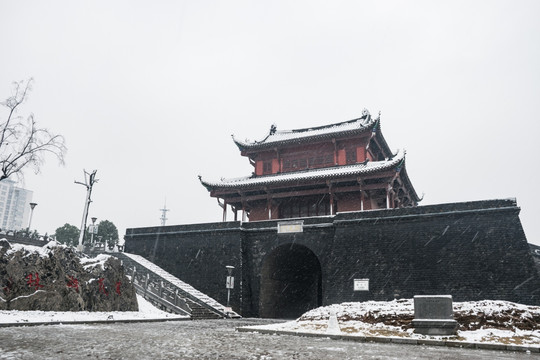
(361, 284)
(286, 227)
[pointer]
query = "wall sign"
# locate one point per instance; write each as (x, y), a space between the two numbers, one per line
(286, 227)
(361, 284)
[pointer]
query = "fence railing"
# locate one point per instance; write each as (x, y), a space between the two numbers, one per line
(159, 293)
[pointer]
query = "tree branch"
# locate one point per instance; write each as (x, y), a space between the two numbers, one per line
(22, 143)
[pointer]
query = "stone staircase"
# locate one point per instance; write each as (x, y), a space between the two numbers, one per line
(169, 293)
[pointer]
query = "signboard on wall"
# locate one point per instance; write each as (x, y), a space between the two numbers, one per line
(361, 285)
(286, 227)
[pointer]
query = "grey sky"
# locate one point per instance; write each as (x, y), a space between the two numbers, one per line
(149, 92)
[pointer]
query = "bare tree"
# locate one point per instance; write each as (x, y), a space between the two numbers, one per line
(22, 143)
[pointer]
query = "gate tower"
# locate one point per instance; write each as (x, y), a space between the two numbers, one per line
(317, 171)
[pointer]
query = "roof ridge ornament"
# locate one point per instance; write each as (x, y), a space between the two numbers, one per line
(273, 129)
(365, 113)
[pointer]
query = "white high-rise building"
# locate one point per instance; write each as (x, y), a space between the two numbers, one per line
(14, 206)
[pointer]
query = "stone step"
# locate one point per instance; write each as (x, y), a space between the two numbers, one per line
(192, 301)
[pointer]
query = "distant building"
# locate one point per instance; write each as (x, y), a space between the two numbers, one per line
(14, 206)
(317, 171)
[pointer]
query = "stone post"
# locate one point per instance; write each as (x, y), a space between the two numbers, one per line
(434, 315)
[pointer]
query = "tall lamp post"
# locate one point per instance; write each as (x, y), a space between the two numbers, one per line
(93, 230)
(89, 181)
(230, 282)
(32, 206)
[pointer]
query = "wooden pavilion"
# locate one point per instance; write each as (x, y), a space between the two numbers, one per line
(317, 171)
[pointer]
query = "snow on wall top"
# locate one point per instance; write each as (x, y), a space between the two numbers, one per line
(275, 136)
(311, 174)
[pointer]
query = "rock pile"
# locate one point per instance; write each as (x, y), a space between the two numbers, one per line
(57, 278)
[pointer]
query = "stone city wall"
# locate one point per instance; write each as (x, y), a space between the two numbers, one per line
(472, 251)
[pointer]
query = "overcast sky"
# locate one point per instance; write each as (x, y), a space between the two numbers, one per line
(149, 92)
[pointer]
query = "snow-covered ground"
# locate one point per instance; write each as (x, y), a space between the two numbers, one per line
(146, 312)
(497, 322)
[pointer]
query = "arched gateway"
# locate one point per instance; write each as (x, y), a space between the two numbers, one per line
(291, 280)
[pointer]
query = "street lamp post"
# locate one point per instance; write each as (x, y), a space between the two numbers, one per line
(230, 282)
(93, 230)
(89, 181)
(32, 206)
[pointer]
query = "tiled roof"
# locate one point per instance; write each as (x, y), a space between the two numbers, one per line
(306, 175)
(365, 123)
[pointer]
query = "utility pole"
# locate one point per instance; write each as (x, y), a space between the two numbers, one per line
(163, 221)
(89, 181)
(164, 214)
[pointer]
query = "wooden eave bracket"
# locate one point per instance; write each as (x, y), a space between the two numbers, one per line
(221, 205)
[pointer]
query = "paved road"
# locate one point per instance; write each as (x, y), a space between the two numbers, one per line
(212, 339)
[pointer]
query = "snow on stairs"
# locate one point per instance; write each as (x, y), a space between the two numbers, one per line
(199, 305)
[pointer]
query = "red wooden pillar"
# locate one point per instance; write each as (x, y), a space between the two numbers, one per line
(361, 194)
(224, 210)
(335, 152)
(331, 192)
(278, 163)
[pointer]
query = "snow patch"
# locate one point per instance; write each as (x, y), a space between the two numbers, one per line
(146, 312)
(42, 251)
(508, 322)
(99, 260)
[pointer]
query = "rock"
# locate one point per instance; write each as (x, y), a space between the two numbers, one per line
(56, 278)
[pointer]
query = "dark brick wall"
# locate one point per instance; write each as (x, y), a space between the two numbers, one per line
(196, 254)
(474, 250)
(470, 250)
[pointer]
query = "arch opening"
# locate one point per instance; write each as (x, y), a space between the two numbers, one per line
(291, 282)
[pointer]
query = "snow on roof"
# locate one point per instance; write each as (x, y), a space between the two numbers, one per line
(279, 136)
(323, 173)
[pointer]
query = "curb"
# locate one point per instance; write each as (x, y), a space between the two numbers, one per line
(399, 340)
(82, 322)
